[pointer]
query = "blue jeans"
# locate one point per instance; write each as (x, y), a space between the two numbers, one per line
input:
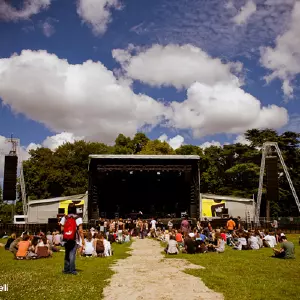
(70, 255)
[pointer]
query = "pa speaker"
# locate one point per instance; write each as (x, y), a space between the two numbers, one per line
(10, 177)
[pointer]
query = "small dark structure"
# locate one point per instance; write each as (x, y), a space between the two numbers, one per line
(156, 185)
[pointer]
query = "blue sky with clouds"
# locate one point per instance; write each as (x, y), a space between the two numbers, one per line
(187, 71)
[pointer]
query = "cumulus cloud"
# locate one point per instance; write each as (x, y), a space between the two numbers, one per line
(174, 65)
(209, 144)
(88, 100)
(53, 142)
(30, 7)
(241, 139)
(245, 13)
(284, 59)
(175, 142)
(223, 108)
(97, 13)
(85, 99)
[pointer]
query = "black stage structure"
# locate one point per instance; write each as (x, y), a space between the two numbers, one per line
(156, 185)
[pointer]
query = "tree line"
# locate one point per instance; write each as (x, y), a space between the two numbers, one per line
(229, 170)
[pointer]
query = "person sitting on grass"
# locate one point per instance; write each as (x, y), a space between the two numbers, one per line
(286, 251)
(99, 245)
(42, 249)
(189, 245)
(89, 249)
(126, 237)
(240, 242)
(13, 248)
(23, 247)
(9, 241)
(253, 241)
(220, 244)
(269, 241)
(172, 247)
(107, 248)
(179, 238)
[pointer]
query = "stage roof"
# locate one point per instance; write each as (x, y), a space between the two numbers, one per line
(136, 156)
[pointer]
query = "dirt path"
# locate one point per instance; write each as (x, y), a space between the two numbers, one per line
(147, 275)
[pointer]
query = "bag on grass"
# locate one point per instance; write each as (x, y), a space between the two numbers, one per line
(70, 228)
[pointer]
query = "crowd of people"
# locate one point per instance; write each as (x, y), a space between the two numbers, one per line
(203, 238)
(185, 238)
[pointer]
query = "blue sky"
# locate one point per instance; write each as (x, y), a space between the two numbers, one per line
(194, 70)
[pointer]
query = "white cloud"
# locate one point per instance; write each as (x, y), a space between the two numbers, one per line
(85, 99)
(209, 144)
(88, 100)
(48, 27)
(96, 13)
(174, 65)
(53, 142)
(175, 142)
(284, 59)
(246, 12)
(223, 108)
(241, 139)
(30, 8)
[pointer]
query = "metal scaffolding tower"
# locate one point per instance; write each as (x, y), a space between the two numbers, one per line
(267, 149)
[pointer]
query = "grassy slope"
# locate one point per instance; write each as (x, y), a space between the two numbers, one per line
(249, 274)
(43, 278)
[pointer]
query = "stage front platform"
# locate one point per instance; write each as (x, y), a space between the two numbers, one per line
(156, 185)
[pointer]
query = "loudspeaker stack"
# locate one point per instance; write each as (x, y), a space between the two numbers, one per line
(10, 177)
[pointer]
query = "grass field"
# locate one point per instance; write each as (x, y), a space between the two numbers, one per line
(43, 278)
(251, 275)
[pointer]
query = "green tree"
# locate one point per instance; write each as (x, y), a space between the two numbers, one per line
(157, 147)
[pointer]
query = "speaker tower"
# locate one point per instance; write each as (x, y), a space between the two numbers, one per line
(10, 177)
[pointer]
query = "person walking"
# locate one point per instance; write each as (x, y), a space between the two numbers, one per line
(71, 225)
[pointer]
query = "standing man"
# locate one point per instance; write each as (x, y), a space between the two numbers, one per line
(71, 225)
(230, 225)
(185, 226)
(153, 224)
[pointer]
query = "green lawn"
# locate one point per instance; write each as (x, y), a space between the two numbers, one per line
(43, 278)
(249, 275)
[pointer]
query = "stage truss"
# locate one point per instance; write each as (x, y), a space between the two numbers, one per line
(267, 149)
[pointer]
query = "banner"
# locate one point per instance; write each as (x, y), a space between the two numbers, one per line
(79, 206)
(213, 208)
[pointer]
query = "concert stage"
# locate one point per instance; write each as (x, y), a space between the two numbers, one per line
(156, 185)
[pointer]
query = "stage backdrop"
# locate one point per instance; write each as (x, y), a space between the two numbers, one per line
(214, 207)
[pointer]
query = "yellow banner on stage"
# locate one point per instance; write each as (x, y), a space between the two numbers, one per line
(65, 204)
(212, 208)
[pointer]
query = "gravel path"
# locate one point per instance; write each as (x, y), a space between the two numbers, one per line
(147, 275)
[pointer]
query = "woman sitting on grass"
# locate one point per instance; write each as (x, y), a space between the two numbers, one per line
(99, 245)
(220, 244)
(23, 247)
(172, 247)
(89, 248)
(42, 249)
